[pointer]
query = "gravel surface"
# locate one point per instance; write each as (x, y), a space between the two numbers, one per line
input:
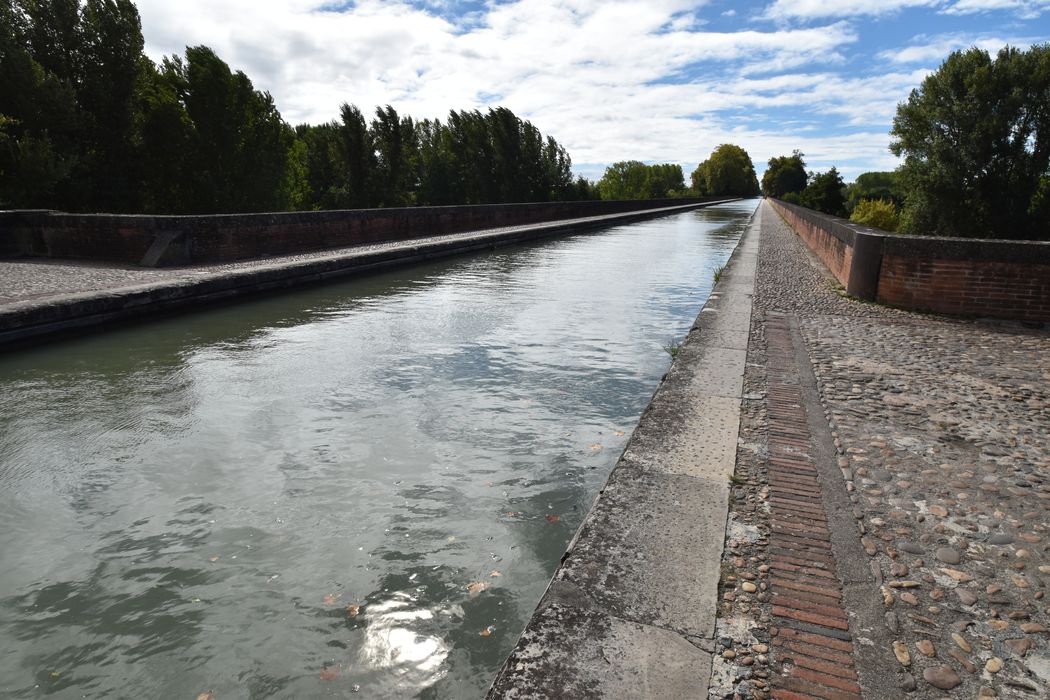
(941, 429)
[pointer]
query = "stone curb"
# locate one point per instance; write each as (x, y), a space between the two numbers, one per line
(631, 610)
(33, 320)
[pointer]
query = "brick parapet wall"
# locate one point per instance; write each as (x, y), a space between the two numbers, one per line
(1004, 279)
(227, 237)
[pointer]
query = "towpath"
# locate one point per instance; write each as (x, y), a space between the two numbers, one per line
(39, 297)
(889, 528)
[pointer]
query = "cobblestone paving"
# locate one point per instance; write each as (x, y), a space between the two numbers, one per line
(29, 279)
(942, 434)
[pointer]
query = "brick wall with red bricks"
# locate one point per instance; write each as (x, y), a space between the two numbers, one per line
(962, 277)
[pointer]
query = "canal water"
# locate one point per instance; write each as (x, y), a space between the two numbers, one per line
(354, 490)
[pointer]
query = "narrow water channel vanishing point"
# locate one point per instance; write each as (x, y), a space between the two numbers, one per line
(361, 487)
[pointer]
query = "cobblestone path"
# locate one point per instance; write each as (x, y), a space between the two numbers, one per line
(932, 440)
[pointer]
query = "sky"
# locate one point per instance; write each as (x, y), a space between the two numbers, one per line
(611, 80)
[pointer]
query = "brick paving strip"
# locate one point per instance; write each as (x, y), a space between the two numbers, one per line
(889, 529)
(813, 643)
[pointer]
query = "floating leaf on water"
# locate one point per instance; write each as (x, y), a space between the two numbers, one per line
(553, 518)
(353, 610)
(329, 673)
(477, 586)
(487, 631)
(213, 557)
(330, 599)
(596, 447)
(207, 695)
(54, 674)
(495, 574)
(619, 433)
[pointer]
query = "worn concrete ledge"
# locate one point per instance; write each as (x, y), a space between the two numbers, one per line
(630, 612)
(32, 320)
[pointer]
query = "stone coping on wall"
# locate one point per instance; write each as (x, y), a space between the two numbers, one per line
(173, 240)
(34, 319)
(938, 247)
(630, 612)
(957, 276)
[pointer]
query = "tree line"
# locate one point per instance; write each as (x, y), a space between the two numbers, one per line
(89, 123)
(975, 143)
(727, 172)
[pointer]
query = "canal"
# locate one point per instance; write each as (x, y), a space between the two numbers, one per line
(361, 487)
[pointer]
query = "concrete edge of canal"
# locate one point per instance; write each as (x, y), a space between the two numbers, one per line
(34, 320)
(630, 611)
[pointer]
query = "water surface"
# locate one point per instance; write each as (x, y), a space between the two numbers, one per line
(362, 487)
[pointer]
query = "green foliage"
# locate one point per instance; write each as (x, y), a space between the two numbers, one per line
(729, 171)
(880, 213)
(633, 179)
(785, 174)
(826, 192)
(874, 185)
(975, 138)
(87, 122)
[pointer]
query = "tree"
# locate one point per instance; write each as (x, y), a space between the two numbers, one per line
(728, 172)
(88, 123)
(826, 193)
(396, 150)
(37, 118)
(785, 174)
(880, 213)
(875, 185)
(112, 45)
(633, 179)
(236, 143)
(975, 138)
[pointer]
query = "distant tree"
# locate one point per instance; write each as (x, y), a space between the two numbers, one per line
(88, 123)
(68, 78)
(728, 172)
(37, 118)
(235, 140)
(357, 156)
(110, 168)
(394, 139)
(623, 180)
(785, 174)
(880, 213)
(633, 179)
(826, 192)
(975, 138)
(434, 164)
(875, 186)
(583, 189)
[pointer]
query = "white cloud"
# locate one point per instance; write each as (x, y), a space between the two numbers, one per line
(934, 49)
(817, 9)
(823, 9)
(1026, 9)
(610, 79)
(604, 77)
